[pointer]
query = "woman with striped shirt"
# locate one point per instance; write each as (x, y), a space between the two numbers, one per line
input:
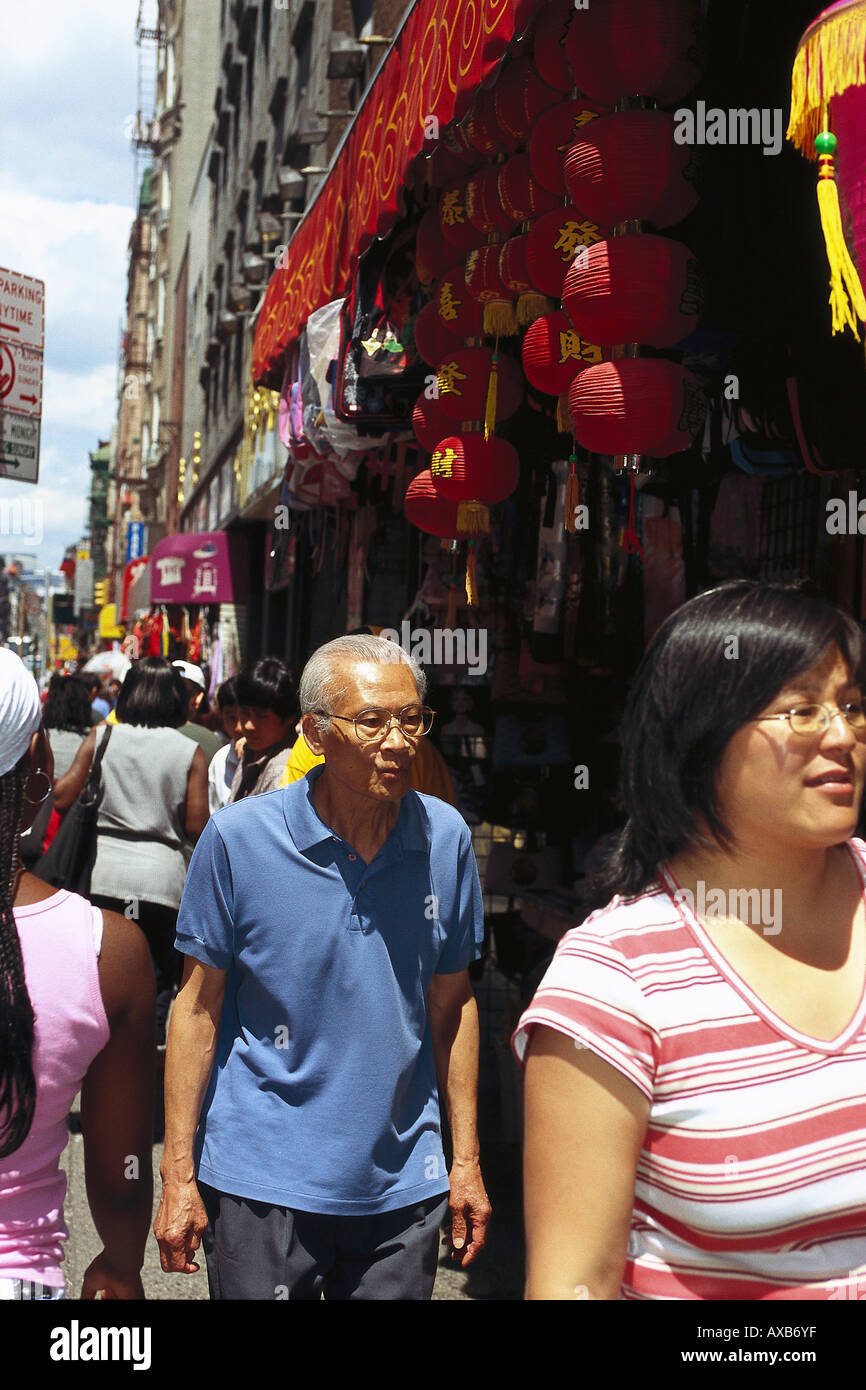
(696, 1053)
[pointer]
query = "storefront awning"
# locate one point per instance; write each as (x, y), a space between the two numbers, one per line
(444, 49)
(203, 567)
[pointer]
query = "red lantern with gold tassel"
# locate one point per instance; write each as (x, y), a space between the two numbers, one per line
(650, 48)
(552, 244)
(458, 312)
(454, 221)
(433, 254)
(484, 283)
(519, 98)
(475, 473)
(636, 405)
(463, 381)
(549, 54)
(629, 167)
(430, 422)
(552, 136)
(432, 338)
(521, 197)
(553, 353)
(483, 204)
(635, 289)
(427, 509)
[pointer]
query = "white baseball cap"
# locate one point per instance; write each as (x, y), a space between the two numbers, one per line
(190, 673)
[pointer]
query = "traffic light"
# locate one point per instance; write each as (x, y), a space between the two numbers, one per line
(100, 593)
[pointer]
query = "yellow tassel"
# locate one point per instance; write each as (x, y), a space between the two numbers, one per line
(500, 319)
(844, 280)
(492, 394)
(572, 500)
(471, 579)
(451, 615)
(831, 57)
(563, 414)
(473, 519)
(531, 306)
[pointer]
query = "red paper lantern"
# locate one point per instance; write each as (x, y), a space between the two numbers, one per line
(484, 283)
(635, 289)
(433, 254)
(651, 48)
(430, 422)
(630, 166)
(463, 378)
(553, 353)
(480, 124)
(552, 244)
(636, 405)
(521, 197)
(470, 468)
(454, 218)
(458, 312)
(552, 136)
(519, 98)
(512, 265)
(548, 47)
(483, 204)
(425, 508)
(432, 338)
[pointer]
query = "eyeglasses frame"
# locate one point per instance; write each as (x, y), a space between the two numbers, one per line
(377, 738)
(829, 711)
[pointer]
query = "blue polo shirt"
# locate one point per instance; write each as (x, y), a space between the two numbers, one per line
(323, 1092)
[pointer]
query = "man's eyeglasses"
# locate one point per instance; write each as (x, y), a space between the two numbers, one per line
(815, 719)
(374, 724)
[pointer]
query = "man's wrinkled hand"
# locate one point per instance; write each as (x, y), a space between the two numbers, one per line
(178, 1227)
(470, 1213)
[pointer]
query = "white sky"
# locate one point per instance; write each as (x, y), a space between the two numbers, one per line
(66, 210)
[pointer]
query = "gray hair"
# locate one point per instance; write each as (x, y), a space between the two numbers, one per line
(321, 688)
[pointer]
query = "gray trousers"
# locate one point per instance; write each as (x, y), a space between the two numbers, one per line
(258, 1251)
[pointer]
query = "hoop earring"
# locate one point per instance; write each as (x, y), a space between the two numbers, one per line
(39, 800)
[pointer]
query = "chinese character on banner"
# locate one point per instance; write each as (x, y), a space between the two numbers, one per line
(170, 570)
(205, 581)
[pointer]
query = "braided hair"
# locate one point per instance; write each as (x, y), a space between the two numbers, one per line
(17, 1081)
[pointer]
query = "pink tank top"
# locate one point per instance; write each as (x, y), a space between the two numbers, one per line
(60, 966)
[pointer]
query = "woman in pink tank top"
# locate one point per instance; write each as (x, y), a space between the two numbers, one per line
(77, 1006)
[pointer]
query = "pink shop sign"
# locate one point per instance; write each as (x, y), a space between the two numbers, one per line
(205, 567)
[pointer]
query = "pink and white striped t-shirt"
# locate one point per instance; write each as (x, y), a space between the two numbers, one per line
(751, 1183)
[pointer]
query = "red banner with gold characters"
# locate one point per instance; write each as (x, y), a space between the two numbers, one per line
(446, 47)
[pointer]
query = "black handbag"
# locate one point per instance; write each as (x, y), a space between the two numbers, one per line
(68, 861)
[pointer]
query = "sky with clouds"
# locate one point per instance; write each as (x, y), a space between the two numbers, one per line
(66, 210)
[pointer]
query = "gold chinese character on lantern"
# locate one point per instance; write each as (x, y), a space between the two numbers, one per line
(447, 378)
(452, 210)
(572, 345)
(580, 120)
(448, 305)
(442, 463)
(573, 234)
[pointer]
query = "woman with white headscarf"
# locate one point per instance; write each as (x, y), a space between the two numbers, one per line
(76, 1013)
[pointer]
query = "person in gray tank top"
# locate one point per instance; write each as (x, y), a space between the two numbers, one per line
(154, 792)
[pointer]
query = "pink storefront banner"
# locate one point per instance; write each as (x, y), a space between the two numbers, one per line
(203, 567)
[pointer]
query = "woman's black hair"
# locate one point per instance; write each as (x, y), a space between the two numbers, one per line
(227, 695)
(153, 695)
(17, 1080)
(267, 684)
(711, 668)
(67, 705)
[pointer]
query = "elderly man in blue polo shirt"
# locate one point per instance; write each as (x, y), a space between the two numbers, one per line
(328, 927)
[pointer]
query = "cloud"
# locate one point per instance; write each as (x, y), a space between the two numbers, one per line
(81, 400)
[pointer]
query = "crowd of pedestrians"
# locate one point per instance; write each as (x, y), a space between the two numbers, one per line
(296, 888)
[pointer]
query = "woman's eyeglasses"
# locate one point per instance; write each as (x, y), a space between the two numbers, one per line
(815, 719)
(374, 724)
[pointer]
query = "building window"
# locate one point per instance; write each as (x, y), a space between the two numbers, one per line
(266, 25)
(302, 43)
